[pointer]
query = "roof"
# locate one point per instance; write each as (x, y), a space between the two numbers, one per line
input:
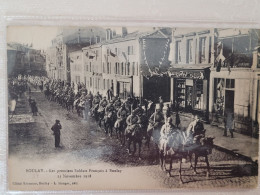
(156, 34)
(190, 66)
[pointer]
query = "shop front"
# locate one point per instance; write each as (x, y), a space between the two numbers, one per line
(190, 89)
(124, 87)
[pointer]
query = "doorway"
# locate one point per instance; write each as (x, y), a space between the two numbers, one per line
(229, 100)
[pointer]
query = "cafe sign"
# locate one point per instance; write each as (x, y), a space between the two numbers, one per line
(187, 74)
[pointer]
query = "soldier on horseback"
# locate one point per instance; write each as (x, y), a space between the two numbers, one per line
(117, 103)
(131, 121)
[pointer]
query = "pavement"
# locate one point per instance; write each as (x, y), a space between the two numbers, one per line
(241, 145)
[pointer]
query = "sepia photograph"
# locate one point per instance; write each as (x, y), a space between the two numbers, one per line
(132, 108)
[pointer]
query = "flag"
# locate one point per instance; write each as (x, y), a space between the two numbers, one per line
(124, 55)
(112, 54)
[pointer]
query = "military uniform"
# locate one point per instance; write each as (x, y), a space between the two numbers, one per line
(155, 120)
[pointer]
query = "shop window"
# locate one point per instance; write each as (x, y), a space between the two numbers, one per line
(180, 96)
(198, 99)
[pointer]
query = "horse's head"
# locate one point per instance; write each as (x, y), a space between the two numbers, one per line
(207, 143)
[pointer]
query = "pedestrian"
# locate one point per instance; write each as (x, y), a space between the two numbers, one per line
(109, 94)
(177, 120)
(34, 107)
(161, 103)
(56, 132)
(229, 123)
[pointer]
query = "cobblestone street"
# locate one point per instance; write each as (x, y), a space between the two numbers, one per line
(83, 142)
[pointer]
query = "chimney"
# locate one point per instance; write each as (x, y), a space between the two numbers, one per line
(108, 34)
(97, 39)
(124, 31)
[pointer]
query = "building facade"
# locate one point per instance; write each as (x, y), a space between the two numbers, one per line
(69, 40)
(234, 78)
(124, 63)
(23, 59)
(76, 68)
(192, 57)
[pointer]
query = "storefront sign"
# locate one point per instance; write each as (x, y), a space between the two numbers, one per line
(188, 74)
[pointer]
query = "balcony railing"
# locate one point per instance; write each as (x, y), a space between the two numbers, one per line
(241, 60)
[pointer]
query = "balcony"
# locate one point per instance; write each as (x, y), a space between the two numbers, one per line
(241, 60)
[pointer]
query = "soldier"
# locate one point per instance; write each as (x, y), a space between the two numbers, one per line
(96, 101)
(167, 128)
(196, 127)
(121, 116)
(109, 108)
(56, 132)
(131, 121)
(156, 119)
(139, 110)
(161, 103)
(103, 103)
(90, 99)
(117, 103)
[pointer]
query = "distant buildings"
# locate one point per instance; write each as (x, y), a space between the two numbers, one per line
(68, 40)
(22, 59)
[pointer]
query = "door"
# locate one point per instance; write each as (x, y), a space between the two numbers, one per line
(229, 100)
(189, 97)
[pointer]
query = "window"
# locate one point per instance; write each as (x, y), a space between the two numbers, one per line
(90, 81)
(202, 50)
(104, 83)
(90, 67)
(116, 51)
(103, 67)
(130, 50)
(122, 68)
(189, 50)
(115, 69)
(133, 71)
(136, 68)
(230, 83)
(108, 68)
(128, 69)
(178, 52)
(108, 84)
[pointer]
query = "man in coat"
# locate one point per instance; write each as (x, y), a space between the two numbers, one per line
(56, 132)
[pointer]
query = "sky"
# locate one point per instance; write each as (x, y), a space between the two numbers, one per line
(41, 36)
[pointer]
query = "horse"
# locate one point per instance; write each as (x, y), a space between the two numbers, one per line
(109, 121)
(134, 134)
(179, 145)
(120, 126)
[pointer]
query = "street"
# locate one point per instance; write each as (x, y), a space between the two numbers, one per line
(85, 143)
